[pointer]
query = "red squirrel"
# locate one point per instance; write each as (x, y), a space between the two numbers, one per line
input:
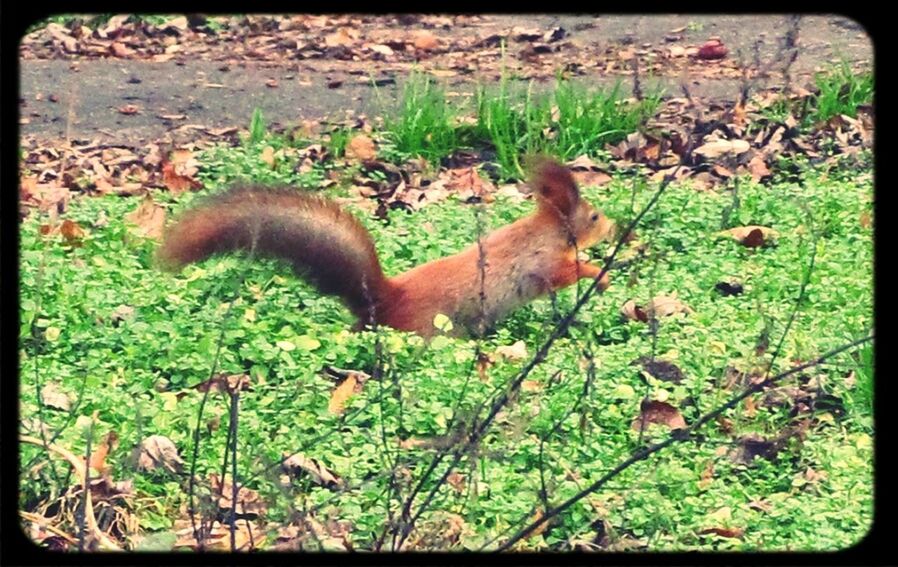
(329, 247)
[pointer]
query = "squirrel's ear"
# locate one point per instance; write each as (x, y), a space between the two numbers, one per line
(554, 185)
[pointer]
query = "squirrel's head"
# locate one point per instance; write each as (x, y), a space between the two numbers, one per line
(559, 196)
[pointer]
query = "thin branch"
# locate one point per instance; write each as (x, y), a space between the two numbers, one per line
(676, 436)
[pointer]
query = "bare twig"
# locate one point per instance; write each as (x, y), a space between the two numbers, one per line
(677, 436)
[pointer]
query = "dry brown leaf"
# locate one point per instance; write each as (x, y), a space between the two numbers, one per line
(591, 178)
(457, 481)
(247, 536)
(120, 50)
(53, 397)
(148, 219)
(268, 156)
(361, 148)
(343, 37)
(249, 504)
(724, 532)
(758, 168)
(714, 149)
(751, 236)
(661, 413)
(225, 383)
(517, 351)
(425, 40)
(542, 527)
(660, 306)
(340, 395)
(179, 171)
(707, 476)
(98, 456)
(158, 451)
(298, 464)
(71, 232)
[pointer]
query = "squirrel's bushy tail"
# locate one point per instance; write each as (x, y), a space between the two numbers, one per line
(324, 244)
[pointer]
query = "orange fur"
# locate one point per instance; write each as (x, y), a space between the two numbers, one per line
(524, 260)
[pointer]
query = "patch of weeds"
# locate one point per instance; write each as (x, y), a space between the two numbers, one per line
(587, 120)
(512, 127)
(862, 393)
(257, 127)
(571, 120)
(424, 124)
(841, 90)
(336, 141)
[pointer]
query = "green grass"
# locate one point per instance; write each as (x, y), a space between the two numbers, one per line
(568, 121)
(425, 123)
(257, 127)
(139, 371)
(841, 91)
(838, 90)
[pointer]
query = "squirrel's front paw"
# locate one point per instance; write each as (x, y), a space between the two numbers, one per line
(604, 282)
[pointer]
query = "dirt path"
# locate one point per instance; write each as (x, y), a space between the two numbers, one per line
(174, 95)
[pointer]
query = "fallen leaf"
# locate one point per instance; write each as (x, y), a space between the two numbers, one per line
(660, 306)
(343, 37)
(148, 219)
(517, 351)
(661, 369)
(361, 148)
(178, 172)
(71, 232)
(758, 169)
(298, 464)
(225, 383)
(120, 50)
(157, 452)
(341, 395)
(716, 148)
(249, 504)
(247, 536)
(661, 413)
(53, 397)
(591, 178)
(425, 40)
(751, 236)
(99, 454)
(724, 532)
(268, 156)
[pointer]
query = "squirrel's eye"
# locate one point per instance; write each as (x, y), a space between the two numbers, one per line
(595, 217)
